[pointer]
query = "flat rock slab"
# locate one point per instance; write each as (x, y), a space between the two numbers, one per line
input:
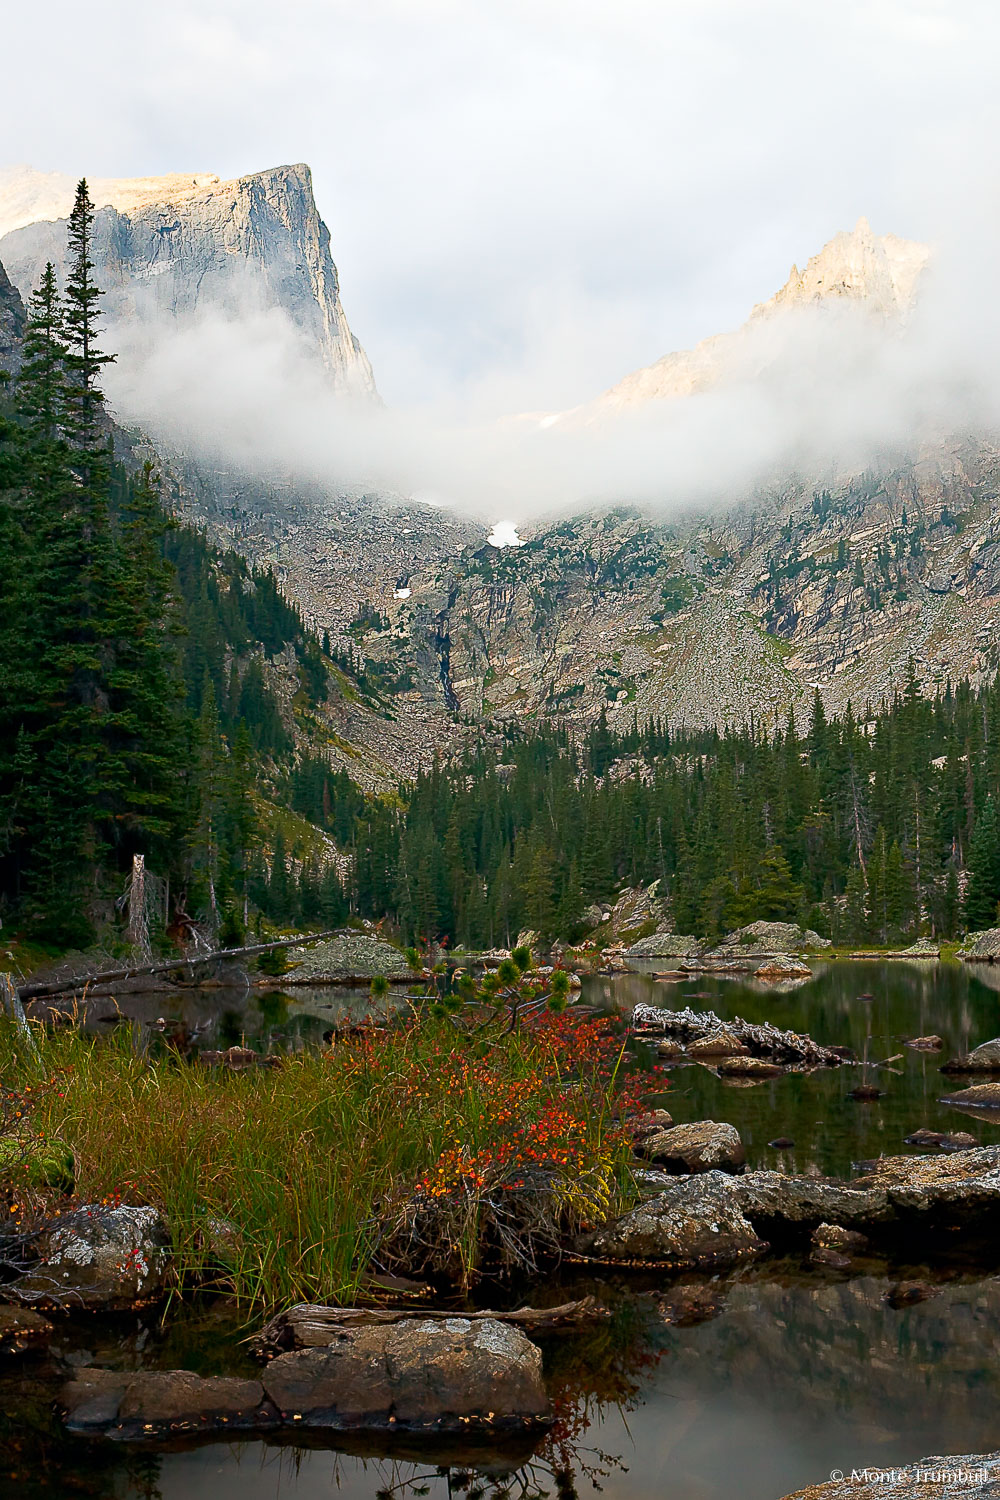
(451, 1375)
(717, 1219)
(421, 1374)
(967, 1476)
(136, 1406)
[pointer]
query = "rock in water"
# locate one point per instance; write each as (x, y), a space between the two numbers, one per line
(749, 1067)
(452, 1373)
(720, 1043)
(982, 1095)
(836, 1237)
(98, 1257)
(147, 1404)
(697, 1224)
(982, 1059)
(925, 1043)
(703, 1146)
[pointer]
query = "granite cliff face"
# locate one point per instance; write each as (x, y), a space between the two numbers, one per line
(167, 248)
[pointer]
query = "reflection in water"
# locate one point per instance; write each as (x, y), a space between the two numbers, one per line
(754, 1383)
(830, 1131)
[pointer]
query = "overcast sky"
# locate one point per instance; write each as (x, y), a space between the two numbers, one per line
(529, 198)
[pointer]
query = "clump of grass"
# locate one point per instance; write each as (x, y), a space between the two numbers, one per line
(438, 1144)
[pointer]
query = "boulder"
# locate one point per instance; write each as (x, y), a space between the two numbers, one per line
(981, 1095)
(749, 1067)
(696, 1224)
(719, 1043)
(781, 967)
(349, 954)
(666, 945)
(448, 1373)
(773, 937)
(669, 1051)
(982, 1059)
(97, 1257)
(959, 1140)
(981, 947)
(971, 1476)
(923, 948)
(700, 1147)
(147, 1404)
(651, 1123)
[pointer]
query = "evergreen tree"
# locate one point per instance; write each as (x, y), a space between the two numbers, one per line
(983, 890)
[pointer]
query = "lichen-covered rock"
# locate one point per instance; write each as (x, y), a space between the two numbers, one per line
(349, 954)
(702, 1146)
(423, 1373)
(666, 945)
(697, 1223)
(983, 947)
(97, 1257)
(782, 967)
(772, 937)
(966, 1476)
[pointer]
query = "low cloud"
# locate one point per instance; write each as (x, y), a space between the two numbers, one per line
(813, 391)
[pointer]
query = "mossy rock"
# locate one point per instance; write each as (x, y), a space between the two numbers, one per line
(39, 1163)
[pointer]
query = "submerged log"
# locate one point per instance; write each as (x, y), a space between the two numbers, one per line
(68, 986)
(762, 1040)
(311, 1325)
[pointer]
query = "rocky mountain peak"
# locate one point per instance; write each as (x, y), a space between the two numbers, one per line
(880, 272)
(168, 247)
(877, 273)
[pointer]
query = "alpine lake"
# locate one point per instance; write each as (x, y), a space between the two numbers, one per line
(751, 1383)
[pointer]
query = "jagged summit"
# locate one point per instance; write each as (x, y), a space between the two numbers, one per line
(168, 247)
(877, 273)
(882, 273)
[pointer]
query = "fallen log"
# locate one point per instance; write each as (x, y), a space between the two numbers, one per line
(311, 1325)
(762, 1040)
(67, 986)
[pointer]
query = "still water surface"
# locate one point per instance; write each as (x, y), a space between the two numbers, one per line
(790, 1373)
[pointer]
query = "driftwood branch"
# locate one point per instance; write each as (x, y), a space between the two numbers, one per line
(311, 1325)
(109, 976)
(762, 1040)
